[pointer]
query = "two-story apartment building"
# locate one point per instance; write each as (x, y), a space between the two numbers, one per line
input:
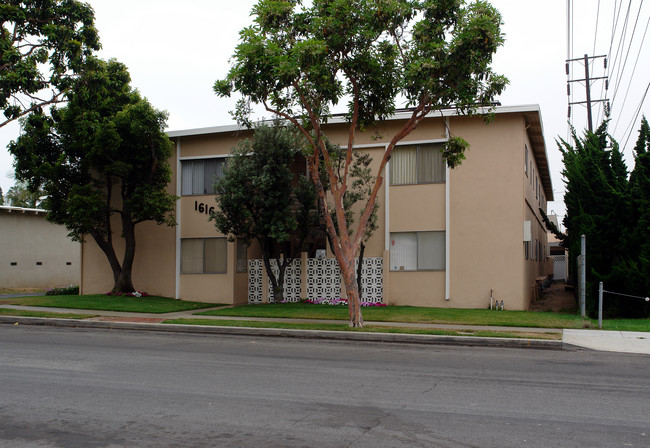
(446, 238)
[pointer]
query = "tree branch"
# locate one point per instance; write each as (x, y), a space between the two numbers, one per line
(55, 100)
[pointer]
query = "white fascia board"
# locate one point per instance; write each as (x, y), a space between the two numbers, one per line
(402, 115)
(203, 131)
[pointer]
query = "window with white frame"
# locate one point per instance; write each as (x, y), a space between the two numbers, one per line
(204, 256)
(417, 164)
(198, 176)
(417, 251)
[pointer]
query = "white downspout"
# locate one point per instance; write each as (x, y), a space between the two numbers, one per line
(447, 222)
(177, 294)
(387, 205)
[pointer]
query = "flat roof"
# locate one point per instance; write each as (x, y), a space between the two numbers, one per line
(531, 112)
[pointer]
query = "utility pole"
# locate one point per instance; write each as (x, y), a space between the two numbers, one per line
(583, 274)
(588, 82)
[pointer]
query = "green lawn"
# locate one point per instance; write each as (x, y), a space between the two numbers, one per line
(151, 304)
(625, 324)
(367, 328)
(159, 305)
(413, 314)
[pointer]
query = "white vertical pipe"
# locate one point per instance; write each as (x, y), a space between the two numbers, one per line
(386, 207)
(177, 294)
(447, 226)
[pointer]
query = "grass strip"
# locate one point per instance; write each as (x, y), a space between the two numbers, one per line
(626, 324)
(412, 314)
(149, 304)
(27, 313)
(366, 329)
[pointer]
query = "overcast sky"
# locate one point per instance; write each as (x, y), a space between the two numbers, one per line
(176, 50)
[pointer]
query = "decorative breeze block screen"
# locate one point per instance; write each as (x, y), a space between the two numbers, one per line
(255, 270)
(291, 280)
(323, 280)
(372, 275)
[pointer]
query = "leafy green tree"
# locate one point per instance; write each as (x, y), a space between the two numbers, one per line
(299, 61)
(19, 195)
(42, 42)
(261, 198)
(101, 159)
(2, 198)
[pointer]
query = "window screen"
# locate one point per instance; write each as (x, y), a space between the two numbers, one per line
(204, 256)
(199, 176)
(417, 164)
(417, 251)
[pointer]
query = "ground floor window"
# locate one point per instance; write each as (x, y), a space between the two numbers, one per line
(417, 251)
(203, 256)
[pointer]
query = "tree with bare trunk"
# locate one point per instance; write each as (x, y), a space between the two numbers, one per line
(299, 61)
(261, 198)
(104, 155)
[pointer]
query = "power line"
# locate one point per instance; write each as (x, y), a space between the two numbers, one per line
(615, 59)
(633, 71)
(615, 17)
(624, 64)
(614, 26)
(636, 116)
(596, 28)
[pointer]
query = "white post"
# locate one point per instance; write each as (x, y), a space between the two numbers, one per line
(600, 305)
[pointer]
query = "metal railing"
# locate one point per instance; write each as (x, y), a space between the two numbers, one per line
(600, 301)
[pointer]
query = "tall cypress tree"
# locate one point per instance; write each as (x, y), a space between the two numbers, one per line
(598, 206)
(614, 214)
(637, 266)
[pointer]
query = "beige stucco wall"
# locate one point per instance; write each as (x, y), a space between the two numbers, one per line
(534, 267)
(153, 266)
(155, 256)
(490, 198)
(486, 214)
(27, 238)
(415, 208)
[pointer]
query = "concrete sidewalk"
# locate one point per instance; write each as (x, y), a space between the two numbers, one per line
(616, 341)
(610, 341)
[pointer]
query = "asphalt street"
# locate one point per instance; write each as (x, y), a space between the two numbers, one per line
(97, 388)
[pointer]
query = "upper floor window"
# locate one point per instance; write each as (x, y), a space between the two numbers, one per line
(198, 176)
(526, 159)
(417, 164)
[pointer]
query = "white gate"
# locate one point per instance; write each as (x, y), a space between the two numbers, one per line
(559, 267)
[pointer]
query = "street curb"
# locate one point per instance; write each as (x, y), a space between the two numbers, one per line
(468, 341)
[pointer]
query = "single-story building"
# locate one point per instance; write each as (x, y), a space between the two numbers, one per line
(36, 253)
(446, 238)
